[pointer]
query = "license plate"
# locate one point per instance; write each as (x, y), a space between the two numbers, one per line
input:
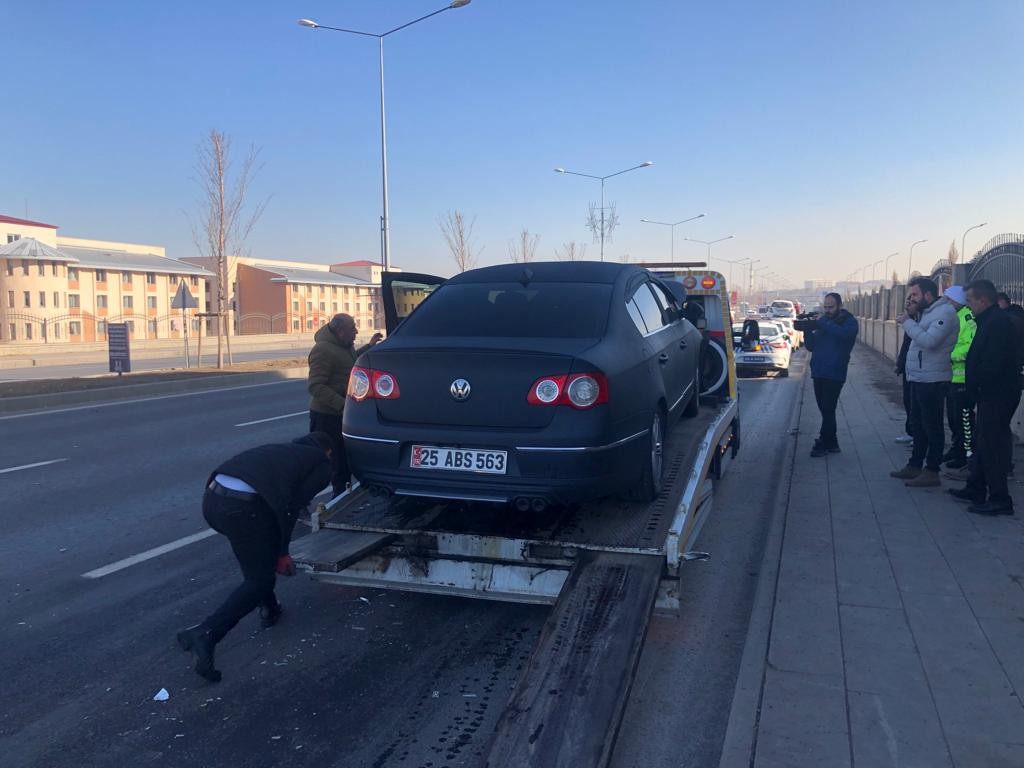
(755, 359)
(458, 459)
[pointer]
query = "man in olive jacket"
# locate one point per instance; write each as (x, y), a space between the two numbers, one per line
(330, 363)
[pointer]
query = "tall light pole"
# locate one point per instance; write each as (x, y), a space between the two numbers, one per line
(750, 275)
(963, 241)
(385, 220)
(709, 243)
(910, 260)
(880, 261)
(886, 267)
(673, 226)
(645, 164)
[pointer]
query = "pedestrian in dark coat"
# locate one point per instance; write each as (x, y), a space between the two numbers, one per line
(830, 340)
(254, 499)
(330, 364)
(901, 370)
(994, 385)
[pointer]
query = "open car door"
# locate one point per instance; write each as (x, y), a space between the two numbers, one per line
(402, 292)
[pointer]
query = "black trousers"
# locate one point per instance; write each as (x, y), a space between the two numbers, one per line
(927, 424)
(960, 417)
(826, 393)
(993, 448)
(251, 528)
(331, 424)
(906, 403)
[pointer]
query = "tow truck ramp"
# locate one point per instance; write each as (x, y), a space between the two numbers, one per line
(605, 566)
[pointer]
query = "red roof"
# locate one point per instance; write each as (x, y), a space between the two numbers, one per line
(25, 222)
(360, 263)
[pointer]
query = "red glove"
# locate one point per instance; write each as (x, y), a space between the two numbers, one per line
(285, 565)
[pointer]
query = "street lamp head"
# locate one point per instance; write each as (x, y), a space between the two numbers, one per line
(646, 163)
(646, 221)
(308, 23)
(559, 170)
(459, 3)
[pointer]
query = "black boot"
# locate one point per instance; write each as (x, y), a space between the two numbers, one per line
(199, 641)
(270, 615)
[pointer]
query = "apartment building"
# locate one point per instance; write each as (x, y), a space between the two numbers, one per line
(57, 289)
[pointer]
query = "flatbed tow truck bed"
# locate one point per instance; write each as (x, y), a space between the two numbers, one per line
(604, 565)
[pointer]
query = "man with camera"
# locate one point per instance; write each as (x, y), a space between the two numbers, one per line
(829, 337)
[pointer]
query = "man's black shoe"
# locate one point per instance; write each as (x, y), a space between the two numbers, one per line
(956, 463)
(834, 449)
(198, 640)
(966, 494)
(819, 449)
(270, 616)
(992, 508)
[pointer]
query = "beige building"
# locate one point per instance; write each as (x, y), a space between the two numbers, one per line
(56, 289)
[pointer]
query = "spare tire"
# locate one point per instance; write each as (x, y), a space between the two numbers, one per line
(714, 368)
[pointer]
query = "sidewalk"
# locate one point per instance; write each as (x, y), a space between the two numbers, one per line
(892, 633)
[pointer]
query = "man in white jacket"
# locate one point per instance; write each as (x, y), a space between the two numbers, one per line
(929, 371)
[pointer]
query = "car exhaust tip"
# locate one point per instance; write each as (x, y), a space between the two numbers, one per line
(538, 504)
(522, 503)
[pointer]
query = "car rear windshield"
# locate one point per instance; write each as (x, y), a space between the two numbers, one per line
(537, 310)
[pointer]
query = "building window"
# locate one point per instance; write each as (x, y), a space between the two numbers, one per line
(10, 268)
(28, 298)
(323, 306)
(101, 275)
(73, 301)
(197, 325)
(128, 302)
(28, 331)
(56, 299)
(309, 325)
(101, 301)
(194, 280)
(14, 331)
(295, 326)
(359, 307)
(74, 328)
(126, 278)
(10, 299)
(151, 302)
(152, 326)
(334, 290)
(41, 268)
(13, 239)
(347, 305)
(131, 327)
(101, 327)
(72, 273)
(151, 278)
(56, 330)
(309, 306)
(295, 305)
(53, 268)
(334, 307)
(42, 299)
(24, 266)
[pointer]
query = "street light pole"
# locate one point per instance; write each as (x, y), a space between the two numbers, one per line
(963, 241)
(886, 267)
(709, 243)
(385, 221)
(672, 227)
(910, 259)
(645, 164)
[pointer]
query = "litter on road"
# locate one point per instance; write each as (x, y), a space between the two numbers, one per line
(161, 695)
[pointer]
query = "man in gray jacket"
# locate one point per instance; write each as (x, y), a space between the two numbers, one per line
(929, 371)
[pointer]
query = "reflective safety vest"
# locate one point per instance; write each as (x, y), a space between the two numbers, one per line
(963, 343)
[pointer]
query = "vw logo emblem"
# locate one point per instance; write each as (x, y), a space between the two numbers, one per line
(460, 389)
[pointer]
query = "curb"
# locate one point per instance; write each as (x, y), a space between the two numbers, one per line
(745, 713)
(42, 403)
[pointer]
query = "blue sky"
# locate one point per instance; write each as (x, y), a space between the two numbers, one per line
(823, 135)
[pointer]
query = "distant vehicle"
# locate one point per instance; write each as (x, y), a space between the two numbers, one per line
(531, 384)
(764, 311)
(768, 349)
(795, 336)
(783, 308)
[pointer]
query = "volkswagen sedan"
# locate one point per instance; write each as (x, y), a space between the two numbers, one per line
(529, 384)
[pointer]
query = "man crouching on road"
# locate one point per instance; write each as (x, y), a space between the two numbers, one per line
(830, 338)
(254, 500)
(929, 370)
(330, 363)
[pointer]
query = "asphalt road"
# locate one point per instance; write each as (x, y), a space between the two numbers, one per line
(400, 680)
(65, 370)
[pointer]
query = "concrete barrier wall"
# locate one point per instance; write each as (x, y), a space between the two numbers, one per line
(885, 336)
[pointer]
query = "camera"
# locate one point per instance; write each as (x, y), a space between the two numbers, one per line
(806, 322)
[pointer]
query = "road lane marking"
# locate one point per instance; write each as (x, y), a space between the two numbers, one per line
(272, 418)
(146, 399)
(149, 554)
(30, 466)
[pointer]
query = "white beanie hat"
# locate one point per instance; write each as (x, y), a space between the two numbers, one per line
(956, 293)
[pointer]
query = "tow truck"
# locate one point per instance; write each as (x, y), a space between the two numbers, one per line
(605, 566)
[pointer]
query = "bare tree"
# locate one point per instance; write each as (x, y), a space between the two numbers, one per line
(224, 222)
(625, 258)
(954, 254)
(523, 248)
(571, 251)
(458, 234)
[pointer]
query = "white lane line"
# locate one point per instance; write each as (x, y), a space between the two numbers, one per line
(147, 399)
(30, 466)
(149, 554)
(272, 418)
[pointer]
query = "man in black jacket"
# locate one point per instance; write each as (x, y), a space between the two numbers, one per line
(906, 438)
(993, 383)
(254, 499)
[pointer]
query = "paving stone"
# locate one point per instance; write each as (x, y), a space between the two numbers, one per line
(889, 730)
(880, 654)
(971, 752)
(1006, 636)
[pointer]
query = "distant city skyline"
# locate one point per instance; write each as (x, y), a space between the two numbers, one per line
(823, 138)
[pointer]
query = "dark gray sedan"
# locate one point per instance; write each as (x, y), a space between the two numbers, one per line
(532, 384)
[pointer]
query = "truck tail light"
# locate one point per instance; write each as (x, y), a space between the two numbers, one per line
(577, 390)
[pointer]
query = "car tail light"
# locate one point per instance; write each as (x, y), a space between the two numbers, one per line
(779, 345)
(577, 390)
(364, 383)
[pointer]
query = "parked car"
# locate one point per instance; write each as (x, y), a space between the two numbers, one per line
(768, 349)
(783, 308)
(532, 384)
(796, 337)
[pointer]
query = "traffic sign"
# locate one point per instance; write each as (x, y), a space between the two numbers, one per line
(118, 348)
(184, 299)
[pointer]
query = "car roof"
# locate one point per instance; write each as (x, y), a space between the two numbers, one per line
(548, 272)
